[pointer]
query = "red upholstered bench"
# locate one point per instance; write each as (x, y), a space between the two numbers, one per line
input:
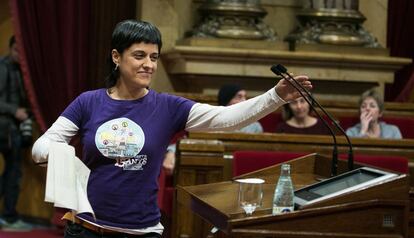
(270, 121)
(405, 124)
(392, 162)
(249, 161)
(165, 193)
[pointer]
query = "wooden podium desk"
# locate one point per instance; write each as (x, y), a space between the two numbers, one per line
(205, 158)
(380, 210)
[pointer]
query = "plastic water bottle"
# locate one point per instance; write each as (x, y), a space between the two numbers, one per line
(283, 197)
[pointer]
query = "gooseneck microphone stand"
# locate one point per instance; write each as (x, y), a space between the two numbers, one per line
(282, 71)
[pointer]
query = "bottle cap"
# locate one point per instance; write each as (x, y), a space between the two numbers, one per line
(285, 166)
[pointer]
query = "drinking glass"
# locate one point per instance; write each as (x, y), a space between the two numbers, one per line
(250, 194)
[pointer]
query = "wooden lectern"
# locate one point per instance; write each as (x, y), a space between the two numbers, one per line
(377, 211)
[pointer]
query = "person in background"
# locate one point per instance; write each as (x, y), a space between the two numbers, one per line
(298, 120)
(13, 111)
(126, 127)
(371, 108)
(231, 94)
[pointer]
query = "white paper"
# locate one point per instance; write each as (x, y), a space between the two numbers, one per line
(67, 179)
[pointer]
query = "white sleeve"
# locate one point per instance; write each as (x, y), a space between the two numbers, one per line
(205, 117)
(61, 131)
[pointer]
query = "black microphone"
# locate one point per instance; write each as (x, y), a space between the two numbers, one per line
(281, 70)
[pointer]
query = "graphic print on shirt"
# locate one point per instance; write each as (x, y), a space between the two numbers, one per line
(122, 139)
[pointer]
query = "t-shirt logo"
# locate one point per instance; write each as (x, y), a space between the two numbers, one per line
(122, 139)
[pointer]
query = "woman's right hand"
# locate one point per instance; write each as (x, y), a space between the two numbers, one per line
(289, 93)
(365, 118)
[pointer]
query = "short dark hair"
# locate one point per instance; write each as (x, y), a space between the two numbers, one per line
(227, 93)
(372, 94)
(125, 34)
(12, 41)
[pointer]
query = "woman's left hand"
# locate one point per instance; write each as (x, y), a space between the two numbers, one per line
(287, 92)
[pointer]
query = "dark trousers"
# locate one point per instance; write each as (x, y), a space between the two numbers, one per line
(74, 230)
(11, 177)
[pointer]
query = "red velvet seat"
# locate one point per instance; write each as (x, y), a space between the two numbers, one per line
(165, 192)
(270, 121)
(405, 124)
(347, 122)
(394, 163)
(249, 161)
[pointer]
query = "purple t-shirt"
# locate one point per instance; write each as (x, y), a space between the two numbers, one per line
(124, 143)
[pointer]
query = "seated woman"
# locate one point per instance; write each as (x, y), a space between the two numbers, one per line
(371, 107)
(297, 119)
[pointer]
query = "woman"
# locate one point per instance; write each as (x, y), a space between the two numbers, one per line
(126, 128)
(371, 107)
(297, 119)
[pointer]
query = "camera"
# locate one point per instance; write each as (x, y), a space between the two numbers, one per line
(26, 127)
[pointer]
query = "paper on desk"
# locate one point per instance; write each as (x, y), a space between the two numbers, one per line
(67, 179)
